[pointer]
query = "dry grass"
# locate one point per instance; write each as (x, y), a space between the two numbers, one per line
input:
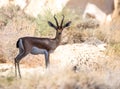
(65, 79)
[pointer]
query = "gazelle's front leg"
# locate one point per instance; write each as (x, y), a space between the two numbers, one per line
(36, 50)
(47, 61)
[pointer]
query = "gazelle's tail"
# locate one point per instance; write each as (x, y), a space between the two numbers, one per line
(17, 44)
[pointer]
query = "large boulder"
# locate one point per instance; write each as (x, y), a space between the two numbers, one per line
(86, 55)
(92, 11)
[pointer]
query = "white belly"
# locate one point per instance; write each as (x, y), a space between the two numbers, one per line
(36, 51)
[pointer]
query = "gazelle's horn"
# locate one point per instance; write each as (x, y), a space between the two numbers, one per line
(62, 21)
(56, 21)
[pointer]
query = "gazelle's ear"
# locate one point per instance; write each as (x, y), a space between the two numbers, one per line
(67, 24)
(52, 25)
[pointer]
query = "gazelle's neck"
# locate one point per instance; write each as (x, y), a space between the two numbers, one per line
(58, 37)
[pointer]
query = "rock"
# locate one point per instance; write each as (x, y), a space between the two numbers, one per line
(92, 11)
(96, 42)
(82, 55)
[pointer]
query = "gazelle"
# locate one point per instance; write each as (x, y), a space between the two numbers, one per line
(36, 45)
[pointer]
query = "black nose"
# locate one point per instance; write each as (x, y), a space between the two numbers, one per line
(60, 33)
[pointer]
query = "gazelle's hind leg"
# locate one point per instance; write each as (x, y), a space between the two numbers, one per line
(21, 54)
(16, 60)
(15, 68)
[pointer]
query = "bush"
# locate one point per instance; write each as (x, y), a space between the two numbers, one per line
(17, 25)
